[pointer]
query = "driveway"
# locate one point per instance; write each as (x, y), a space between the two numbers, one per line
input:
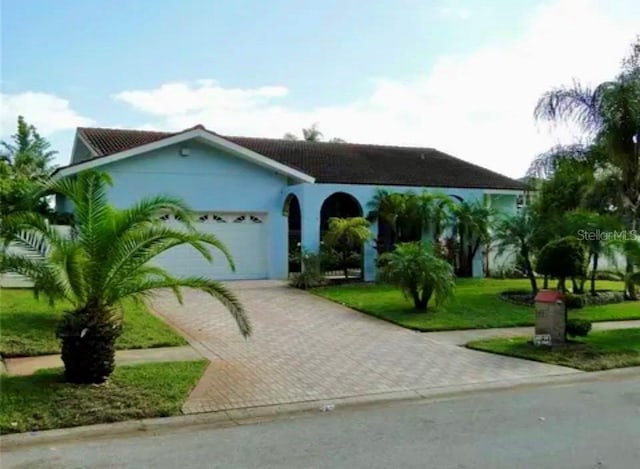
(306, 348)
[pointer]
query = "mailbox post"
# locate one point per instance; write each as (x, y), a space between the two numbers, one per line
(551, 319)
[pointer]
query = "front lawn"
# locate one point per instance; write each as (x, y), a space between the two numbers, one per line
(475, 305)
(27, 326)
(44, 401)
(598, 351)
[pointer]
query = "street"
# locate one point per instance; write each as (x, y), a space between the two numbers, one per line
(592, 425)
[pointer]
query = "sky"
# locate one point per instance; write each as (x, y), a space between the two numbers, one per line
(462, 76)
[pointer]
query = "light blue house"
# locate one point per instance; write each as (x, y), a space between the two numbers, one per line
(259, 195)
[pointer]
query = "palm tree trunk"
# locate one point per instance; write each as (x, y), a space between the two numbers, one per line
(88, 337)
(593, 274)
(530, 273)
(630, 286)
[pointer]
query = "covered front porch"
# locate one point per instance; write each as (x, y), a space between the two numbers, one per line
(308, 207)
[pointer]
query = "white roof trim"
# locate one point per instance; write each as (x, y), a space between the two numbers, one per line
(200, 134)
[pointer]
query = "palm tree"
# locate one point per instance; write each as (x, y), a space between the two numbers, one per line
(435, 213)
(471, 230)
(610, 115)
(419, 273)
(107, 260)
(312, 134)
(386, 208)
(347, 235)
(588, 226)
(516, 233)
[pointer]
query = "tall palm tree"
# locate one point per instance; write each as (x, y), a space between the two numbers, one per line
(516, 233)
(610, 115)
(386, 207)
(471, 229)
(108, 259)
(435, 213)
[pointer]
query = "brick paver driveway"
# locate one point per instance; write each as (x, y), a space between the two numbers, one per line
(306, 348)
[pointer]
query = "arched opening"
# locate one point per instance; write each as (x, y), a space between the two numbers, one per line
(291, 210)
(340, 205)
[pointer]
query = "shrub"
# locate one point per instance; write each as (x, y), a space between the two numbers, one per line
(419, 273)
(578, 327)
(518, 297)
(573, 301)
(311, 276)
(562, 258)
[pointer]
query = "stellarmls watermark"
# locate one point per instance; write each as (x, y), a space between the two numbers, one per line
(602, 235)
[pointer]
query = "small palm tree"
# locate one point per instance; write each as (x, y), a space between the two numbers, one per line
(419, 273)
(347, 235)
(108, 259)
(516, 233)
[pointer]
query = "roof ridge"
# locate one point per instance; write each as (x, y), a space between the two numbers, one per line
(120, 129)
(308, 142)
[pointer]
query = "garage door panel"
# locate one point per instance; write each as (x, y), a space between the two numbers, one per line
(243, 234)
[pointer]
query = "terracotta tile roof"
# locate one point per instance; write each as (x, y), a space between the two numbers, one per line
(348, 163)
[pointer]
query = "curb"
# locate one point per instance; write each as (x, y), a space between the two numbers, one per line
(253, 415)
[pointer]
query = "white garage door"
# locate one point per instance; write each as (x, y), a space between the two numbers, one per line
(244, 235)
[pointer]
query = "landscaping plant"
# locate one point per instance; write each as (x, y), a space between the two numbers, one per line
(107, 259)
(419, 273)
(346, 236)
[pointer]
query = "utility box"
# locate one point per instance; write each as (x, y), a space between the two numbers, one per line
(551, 319)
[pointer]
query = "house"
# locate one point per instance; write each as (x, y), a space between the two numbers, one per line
(258, 195)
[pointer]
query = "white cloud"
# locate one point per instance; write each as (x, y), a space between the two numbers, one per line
(476, 106)
(49, 113)
(451, 11)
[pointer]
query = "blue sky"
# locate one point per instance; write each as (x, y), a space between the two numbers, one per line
(456, 75)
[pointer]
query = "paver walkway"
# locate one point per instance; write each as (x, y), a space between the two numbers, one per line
(29, 365)
(306, 348)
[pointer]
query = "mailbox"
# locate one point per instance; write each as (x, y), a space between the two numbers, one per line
(551, 318)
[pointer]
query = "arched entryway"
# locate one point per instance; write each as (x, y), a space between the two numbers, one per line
(340, 205)
(292, 211)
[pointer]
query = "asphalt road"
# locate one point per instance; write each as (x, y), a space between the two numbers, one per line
(594, 425)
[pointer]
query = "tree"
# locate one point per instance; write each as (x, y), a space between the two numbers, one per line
(471, 230)
(589, 228)
(108, 259)
(410, 216)
(609, 114)
(562, 258)
(311, 134)
(25, 160)
(419, 273)
(28, 152)
(347, 235)
(516, 233)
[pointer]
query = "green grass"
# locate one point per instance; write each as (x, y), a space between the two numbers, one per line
(476, 305)
(598, 351)
(27, 326)
(44, 401)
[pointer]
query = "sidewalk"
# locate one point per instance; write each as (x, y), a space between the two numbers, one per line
(465, 336)
(29, 365)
